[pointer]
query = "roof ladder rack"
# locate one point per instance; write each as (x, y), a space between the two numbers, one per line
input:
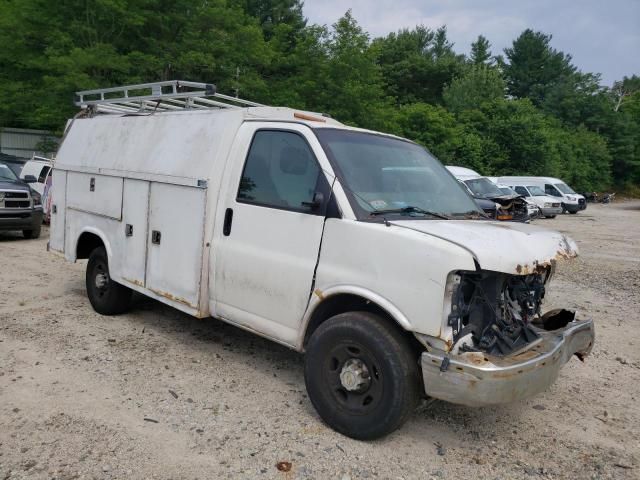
(171, 95)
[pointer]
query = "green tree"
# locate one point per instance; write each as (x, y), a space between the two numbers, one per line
(480, 51)
(478, 85)
(534, 67)
(417, 64)
(274, 13)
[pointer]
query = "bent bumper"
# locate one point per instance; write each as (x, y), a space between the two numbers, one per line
(476, 379)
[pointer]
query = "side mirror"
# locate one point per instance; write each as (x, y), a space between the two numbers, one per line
(30, 179)
(316, 203)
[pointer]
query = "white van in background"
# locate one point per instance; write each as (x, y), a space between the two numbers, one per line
(39, 167)
(570, 201)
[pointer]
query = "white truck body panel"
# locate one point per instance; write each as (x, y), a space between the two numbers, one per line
(174, 263)
(135, 212)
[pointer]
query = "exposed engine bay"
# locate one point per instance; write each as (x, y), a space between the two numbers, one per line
(494, 312)
(511, 208)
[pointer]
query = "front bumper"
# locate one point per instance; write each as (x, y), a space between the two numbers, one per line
(547, 211)
(476, 379)
(20, 218)
(572, 207)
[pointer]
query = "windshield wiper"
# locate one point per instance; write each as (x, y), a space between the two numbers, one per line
(409, 209)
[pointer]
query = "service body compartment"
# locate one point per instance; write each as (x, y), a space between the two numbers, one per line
(135, 201)
(175, 242)
(99, 194)
(58, 210)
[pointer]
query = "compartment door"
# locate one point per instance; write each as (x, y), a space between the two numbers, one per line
(58, 210)
(174, 242)
(135, 211)
(93, 193)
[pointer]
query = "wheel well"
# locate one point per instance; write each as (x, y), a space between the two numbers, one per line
(343, 303)
(87, 243)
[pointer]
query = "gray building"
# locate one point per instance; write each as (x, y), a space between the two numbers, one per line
(23, 143)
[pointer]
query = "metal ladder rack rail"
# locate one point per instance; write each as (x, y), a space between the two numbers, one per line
(171, 95)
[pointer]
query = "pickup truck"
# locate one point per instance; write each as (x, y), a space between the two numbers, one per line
(355, 247)
(20, 205)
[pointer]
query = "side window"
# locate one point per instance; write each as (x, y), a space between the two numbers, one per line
(522, 191)
(551, 190)
(43, 174)
(280, 171)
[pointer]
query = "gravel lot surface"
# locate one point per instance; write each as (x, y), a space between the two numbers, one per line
(157, 394)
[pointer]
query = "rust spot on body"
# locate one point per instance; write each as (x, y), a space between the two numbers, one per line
(319, 293)
(172, 297)
(134, 281)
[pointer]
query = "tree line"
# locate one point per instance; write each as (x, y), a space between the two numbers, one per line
(527, 110)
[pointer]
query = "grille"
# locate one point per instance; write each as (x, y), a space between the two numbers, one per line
(555, 204)
(14, 199)
(16, 204)
(16, 195)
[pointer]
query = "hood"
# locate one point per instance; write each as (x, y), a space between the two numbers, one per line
(7, 184)
(507, 247)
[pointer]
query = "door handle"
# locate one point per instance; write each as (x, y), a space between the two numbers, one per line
(228, 218)
(155, 237)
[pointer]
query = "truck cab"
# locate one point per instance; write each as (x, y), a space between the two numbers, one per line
(354, 247)
(20, 205)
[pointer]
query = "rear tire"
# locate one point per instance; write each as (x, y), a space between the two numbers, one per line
(107, 297)
(362, 375)
(33, 233)
(573, 213)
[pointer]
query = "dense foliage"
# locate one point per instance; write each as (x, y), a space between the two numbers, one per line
(529, 111)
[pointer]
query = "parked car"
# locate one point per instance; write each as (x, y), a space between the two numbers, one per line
(40, 168)
(533, 209)
(570, 201)
(20, 205)
(512, 207)
(549, 206)
(353, 246)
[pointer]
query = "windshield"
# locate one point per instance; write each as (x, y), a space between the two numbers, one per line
(564, 188)
(535, 191)
(381, 173)
(6, 173)
(483, 188)
(507, 191)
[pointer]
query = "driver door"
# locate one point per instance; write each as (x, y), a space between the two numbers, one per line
(269, 231)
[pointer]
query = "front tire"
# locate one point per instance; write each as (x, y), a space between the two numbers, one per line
(574, 212)
(107, 297)
(33, 233)
(362, 375)
(549, 216)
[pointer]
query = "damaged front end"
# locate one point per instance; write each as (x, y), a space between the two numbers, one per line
(512, 208)
(493, 312)
(500, 346)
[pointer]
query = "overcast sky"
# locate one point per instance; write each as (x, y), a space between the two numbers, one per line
(603, 36)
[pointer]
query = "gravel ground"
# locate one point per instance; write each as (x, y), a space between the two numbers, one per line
(157, 394)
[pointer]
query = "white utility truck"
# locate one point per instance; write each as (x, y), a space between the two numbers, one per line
(356, 247)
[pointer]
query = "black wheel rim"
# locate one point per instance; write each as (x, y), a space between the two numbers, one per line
(364, 399)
